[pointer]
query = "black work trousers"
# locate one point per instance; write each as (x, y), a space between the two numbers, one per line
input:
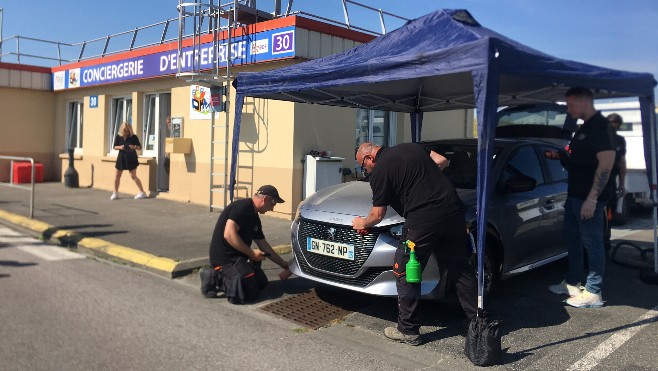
(448, 240)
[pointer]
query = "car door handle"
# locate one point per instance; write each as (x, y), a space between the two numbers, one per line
(549, 205)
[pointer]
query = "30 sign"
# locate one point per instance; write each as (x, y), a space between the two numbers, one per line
(283, 42)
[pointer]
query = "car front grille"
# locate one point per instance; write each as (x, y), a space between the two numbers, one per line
(361, 280)
(363, 245)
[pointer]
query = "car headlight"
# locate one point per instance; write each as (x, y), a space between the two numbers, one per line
(396, 231)
(298, 212)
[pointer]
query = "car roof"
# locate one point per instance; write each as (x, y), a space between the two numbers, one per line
(498, 142)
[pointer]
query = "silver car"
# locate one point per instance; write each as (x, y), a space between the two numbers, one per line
(523, 232)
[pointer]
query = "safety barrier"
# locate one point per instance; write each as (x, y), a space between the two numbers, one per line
(11, 177)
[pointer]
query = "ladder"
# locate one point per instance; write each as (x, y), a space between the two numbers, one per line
(199, 12)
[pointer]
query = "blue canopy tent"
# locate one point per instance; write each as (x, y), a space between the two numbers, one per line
(445, 60)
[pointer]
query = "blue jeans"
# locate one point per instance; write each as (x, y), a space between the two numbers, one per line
(581, 235)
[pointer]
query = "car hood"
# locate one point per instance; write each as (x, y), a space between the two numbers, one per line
(339, 204)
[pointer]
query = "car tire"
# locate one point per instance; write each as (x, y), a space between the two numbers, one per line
(491, 269)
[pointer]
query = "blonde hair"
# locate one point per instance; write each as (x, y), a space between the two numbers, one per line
(125, 125)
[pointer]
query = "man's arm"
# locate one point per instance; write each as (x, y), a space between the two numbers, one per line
(375, 216)
(622, 173)
(601, 176)
(265, 246)
(233, 238)
(439, 160)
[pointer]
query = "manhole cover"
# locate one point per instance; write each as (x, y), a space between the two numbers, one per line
(315, 309)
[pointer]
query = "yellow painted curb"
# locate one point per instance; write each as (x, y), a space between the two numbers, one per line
(129, 254)
(96, 244)
(25, 222)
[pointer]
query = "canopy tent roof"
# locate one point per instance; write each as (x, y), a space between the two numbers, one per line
(446, 60)
(426, 65)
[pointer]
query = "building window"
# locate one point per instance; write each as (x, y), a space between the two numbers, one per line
(74, 126)
(122, 111)
(156, 110)
(378, 127)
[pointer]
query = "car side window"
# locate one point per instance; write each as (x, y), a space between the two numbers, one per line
(556, 171)
(523, 162)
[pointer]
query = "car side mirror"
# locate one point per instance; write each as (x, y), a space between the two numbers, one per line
(519, 183)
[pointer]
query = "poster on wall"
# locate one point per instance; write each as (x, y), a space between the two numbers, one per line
(176, 127)
(200, 103)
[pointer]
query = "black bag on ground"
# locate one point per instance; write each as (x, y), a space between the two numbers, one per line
(483, 342)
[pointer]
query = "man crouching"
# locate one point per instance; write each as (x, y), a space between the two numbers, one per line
(236, 267)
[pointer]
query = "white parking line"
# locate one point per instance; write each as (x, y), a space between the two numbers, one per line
(49, 253)
(606, 348)
(35, 247)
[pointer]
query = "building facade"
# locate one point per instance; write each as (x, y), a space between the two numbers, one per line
(184, 136)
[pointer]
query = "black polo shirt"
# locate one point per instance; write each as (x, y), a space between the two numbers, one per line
(406, 178)
(243, 213)
(594, 136)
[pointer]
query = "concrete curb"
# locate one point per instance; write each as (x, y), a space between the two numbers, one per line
(105, 249)
(96, 246)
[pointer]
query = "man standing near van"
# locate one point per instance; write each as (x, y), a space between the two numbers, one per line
(590, 187)
(410, 180)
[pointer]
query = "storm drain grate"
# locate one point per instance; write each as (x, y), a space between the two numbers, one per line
(314, 310)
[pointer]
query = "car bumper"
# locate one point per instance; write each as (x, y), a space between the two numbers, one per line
(374, 276)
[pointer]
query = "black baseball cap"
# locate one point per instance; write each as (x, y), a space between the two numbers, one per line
(269, 190)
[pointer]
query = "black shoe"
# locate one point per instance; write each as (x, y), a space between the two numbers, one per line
(207, 288)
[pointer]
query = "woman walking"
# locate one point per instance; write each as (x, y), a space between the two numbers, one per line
(127, 143)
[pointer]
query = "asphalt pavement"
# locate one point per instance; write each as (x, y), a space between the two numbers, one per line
(164, 236)
(540, 331)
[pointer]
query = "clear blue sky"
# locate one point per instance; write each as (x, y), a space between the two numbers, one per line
(610, 33)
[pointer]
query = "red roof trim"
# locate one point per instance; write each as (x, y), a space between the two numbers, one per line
(24, 67)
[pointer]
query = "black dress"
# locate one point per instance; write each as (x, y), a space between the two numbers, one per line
(127, 158)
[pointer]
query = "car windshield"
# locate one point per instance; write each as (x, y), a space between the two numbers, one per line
(462, 171)
(533, 115)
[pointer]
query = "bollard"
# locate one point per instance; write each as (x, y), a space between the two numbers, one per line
(71, 175)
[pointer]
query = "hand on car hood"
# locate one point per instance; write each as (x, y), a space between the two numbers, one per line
(339, 204)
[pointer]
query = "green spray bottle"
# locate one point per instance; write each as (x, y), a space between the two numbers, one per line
(413, 272)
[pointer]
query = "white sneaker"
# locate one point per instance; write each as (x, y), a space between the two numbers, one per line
(140, 195)
(114, 196)
(586, 300)
(566, 289)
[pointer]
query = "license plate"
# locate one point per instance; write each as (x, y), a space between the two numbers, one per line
(328, 248)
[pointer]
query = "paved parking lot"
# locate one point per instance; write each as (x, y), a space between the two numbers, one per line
(540, 332)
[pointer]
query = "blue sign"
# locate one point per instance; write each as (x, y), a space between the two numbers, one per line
(93, 101)
(247, 49)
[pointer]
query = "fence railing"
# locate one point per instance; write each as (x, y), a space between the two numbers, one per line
(11, 177)
(29, 50)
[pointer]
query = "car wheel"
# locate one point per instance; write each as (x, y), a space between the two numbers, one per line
(491, 270)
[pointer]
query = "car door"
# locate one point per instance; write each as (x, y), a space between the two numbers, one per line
(520, 215)
(556, 176)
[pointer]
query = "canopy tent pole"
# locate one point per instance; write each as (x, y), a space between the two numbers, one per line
(235, 144)
(416, 126)
(485, 88)
(647, 108)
